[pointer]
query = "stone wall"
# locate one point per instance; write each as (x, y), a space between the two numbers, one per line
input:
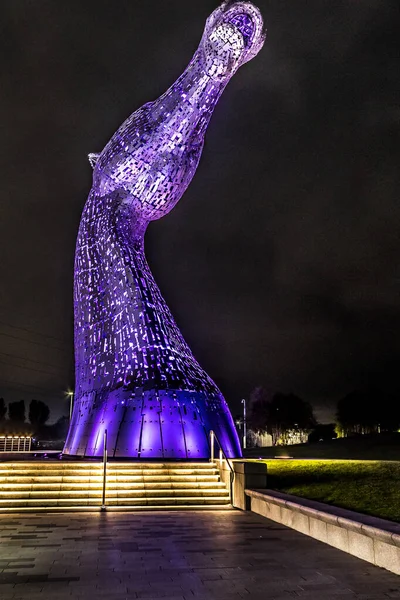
(374, 540)
(246, 475)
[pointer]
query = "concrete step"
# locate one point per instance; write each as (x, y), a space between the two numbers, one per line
(98, 484)
(128, 493)
(167, 501)
(60, 465)
(110, 472)
(47, 475)
(155, 472)
(125, 508)
(58, 485)
(155, 466)
(123, 481)
(114, 501)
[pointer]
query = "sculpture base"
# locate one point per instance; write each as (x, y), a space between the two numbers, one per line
(163, 424)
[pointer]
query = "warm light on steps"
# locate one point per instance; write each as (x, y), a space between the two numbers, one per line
(123, 492)
(110, 485)
(92, 508)
(94, 480)
(66, 485)
(98, 465)
(120, 501)
(113, 473)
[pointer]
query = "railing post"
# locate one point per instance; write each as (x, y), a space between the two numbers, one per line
(103, 503)
(222, 456)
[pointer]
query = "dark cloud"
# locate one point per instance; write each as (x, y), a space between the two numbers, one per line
(280, 263)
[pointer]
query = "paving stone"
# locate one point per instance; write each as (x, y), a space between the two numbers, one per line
(177, 556)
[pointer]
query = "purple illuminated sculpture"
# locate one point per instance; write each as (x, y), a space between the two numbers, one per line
(135, 374)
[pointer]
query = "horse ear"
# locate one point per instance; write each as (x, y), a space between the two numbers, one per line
(93, 158)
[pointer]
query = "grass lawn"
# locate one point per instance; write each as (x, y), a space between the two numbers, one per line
(369, 487)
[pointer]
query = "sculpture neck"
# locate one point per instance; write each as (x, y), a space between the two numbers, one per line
(190, 101)
(130, 225)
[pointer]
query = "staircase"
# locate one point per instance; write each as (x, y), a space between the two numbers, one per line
(62, 485)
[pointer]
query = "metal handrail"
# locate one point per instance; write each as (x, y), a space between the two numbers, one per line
(214, 437)
(103, 502)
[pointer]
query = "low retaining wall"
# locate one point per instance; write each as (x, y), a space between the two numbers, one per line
(374, 540)
(243, 475)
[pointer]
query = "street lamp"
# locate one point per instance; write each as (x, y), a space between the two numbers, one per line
(244, 423)
(70, 395)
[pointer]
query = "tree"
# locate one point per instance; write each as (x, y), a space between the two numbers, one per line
(356, 413)
(3, 409)
(39, 413)
(388, 411)
(368, 411)
(53, 434)
(288, 413)
(283, 416)
(61, 427)
(322, 433)
(258, 413)
(16, 411)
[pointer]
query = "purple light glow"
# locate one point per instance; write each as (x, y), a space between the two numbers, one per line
(135, 374)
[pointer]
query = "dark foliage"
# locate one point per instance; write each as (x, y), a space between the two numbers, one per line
(258, 414)
(288, 412)
(368, 411)
(57, 432)
(16, 411)
(3, 409)
(39, 413)
(323, 433)
(279, 415)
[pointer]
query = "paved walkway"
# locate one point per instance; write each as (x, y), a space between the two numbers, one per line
(176, 556)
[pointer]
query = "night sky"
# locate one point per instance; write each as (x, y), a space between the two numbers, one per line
(280, 263)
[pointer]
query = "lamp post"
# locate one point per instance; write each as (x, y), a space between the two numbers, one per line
(244, 423)
(70, 395)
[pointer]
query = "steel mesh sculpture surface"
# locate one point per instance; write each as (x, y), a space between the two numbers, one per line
(135, 374)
